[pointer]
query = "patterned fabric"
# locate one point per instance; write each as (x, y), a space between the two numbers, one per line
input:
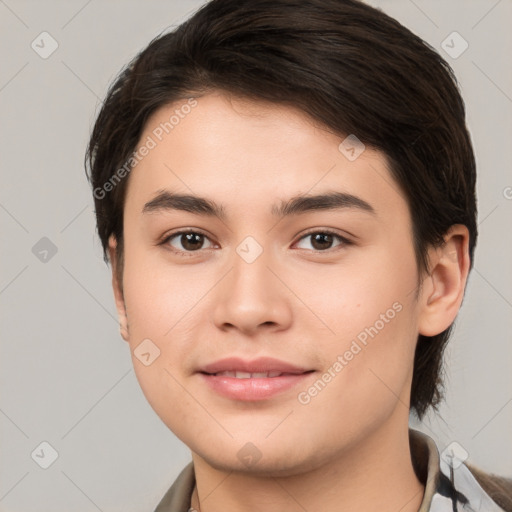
(458, 490)
(449, 484)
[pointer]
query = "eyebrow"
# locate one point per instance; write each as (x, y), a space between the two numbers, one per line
(169, 201)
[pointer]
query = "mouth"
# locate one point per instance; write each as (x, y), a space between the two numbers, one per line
(256, 380)
(243, 369)
(238, 374)
(252, 387)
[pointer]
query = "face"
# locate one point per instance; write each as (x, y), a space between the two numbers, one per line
(268, 267)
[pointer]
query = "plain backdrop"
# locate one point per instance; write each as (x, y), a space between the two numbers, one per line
(66, 374)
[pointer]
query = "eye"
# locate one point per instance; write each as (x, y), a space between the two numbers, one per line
(323, 240)
(186, 241)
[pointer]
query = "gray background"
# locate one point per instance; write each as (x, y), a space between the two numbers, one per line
(65, 372)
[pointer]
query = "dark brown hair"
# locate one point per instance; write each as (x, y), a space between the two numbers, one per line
(348, 66)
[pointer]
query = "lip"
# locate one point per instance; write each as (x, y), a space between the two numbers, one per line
(253, 388)
(261, 364)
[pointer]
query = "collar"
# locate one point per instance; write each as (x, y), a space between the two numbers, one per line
(449, 483)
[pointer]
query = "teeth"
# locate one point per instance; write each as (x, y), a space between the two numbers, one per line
(226, 374)
(247, 375)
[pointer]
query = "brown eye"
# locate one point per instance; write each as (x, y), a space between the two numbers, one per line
(186, 241)
(323, 240)
(191, 241)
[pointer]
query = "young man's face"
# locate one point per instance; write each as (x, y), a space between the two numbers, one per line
(254, 284)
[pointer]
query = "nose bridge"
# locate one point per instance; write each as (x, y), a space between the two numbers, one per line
(251, 294)
(250, 270)
(251, 286)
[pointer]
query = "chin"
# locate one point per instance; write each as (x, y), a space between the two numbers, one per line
(273, 467)
(265, 459)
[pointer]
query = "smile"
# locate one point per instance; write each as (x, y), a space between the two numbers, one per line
(244, 386)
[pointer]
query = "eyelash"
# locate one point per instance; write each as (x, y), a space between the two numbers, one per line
(344, 241)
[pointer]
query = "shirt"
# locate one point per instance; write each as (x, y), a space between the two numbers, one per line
(450, 485)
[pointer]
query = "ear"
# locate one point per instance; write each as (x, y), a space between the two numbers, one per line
(443, 288)
(118, 290)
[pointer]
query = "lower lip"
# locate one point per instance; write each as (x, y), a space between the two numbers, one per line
(252, 389)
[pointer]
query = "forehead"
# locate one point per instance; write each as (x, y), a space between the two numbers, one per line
(248, 152)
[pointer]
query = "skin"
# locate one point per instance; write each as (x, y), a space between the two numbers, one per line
(347, 449)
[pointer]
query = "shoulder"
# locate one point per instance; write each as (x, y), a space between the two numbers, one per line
(497, 487)
(454, 483)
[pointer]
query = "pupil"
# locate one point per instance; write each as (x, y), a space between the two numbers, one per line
(188, 241)
(322, 238)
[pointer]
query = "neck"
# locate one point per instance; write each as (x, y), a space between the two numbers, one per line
(375, 474)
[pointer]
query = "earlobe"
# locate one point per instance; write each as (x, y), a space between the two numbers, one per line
(443, 289)
(117, 289)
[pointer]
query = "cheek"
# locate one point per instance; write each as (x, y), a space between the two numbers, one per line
(158, 296)
(365, 379)
(347, 297)
(166, 305)
(177, 407)
(371, 317)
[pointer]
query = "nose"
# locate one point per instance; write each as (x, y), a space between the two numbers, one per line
(251, 298)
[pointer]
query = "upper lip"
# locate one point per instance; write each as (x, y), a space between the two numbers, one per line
(261, 364)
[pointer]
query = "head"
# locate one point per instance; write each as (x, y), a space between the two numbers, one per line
(251, 104)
